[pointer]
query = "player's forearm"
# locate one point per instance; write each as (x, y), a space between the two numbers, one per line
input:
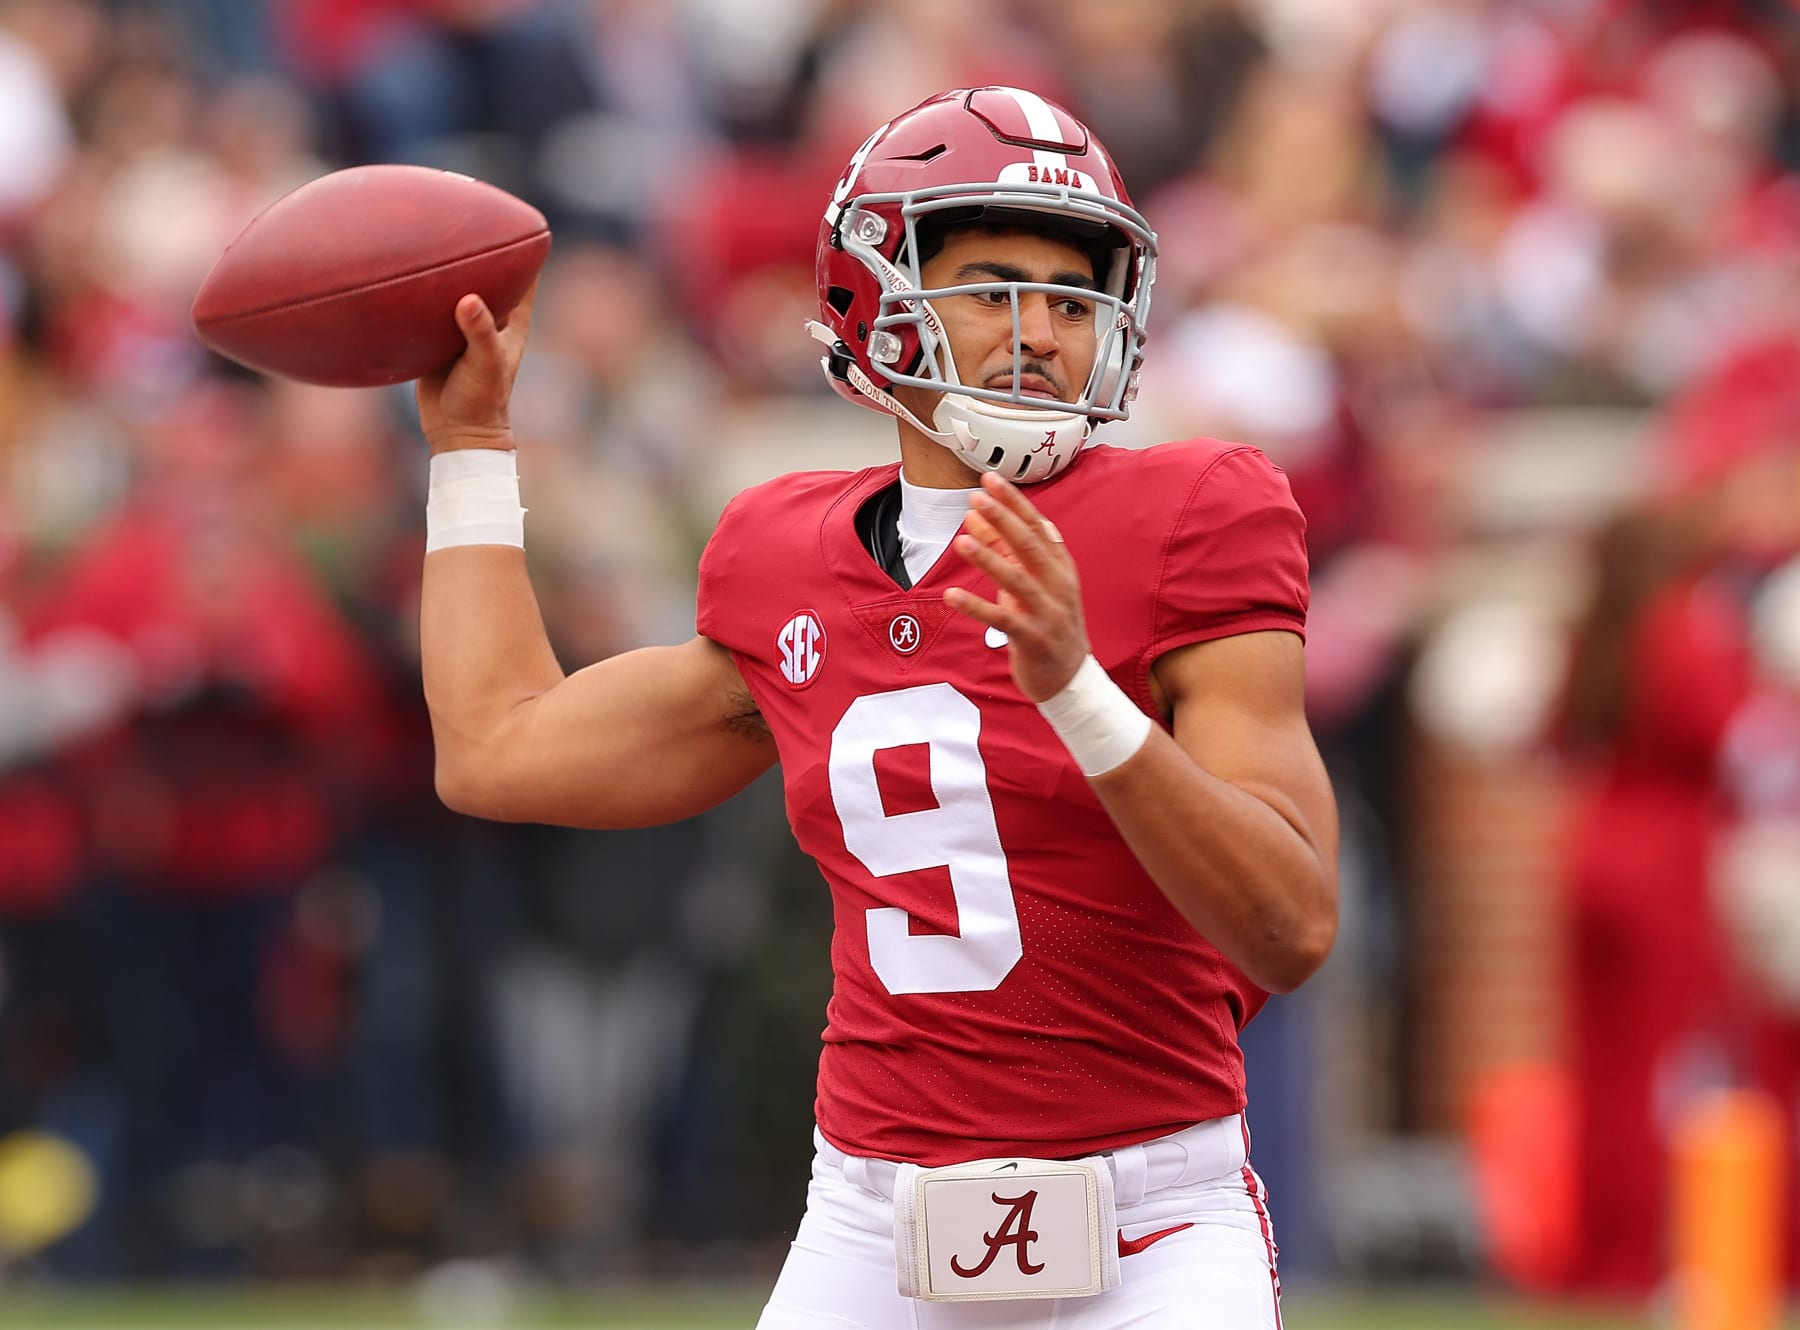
(1254, 883)
(483, 654)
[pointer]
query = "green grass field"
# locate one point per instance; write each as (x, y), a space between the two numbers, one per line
(669, 1310)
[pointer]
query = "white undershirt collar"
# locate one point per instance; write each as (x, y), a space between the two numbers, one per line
(929, 520)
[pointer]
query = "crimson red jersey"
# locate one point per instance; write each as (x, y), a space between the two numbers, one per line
(1007, 979)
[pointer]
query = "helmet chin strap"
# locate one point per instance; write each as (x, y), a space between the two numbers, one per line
(1026, 443)
(881, 397)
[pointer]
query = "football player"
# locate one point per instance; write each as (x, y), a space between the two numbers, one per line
(1038, 707)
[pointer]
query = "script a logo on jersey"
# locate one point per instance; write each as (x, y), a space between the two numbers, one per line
(1015, 1231)
(801, 646)
(904, 634)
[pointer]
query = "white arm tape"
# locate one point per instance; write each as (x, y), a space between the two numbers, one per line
(1098, 724)
(473, 499)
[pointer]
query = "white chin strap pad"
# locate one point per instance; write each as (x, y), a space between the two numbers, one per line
(1024, 444)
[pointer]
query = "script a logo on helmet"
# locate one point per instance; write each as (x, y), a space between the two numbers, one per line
(801, 646)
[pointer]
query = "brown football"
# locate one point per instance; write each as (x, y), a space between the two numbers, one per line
(352, 280)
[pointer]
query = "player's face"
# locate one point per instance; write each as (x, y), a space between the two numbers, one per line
(1057, 342)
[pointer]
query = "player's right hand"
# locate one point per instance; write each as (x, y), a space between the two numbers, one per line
(465, 405)
(1037, 600)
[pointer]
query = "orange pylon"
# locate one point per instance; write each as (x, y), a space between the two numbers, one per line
(1730, 1180)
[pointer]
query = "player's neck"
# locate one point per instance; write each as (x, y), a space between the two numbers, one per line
(928, 464)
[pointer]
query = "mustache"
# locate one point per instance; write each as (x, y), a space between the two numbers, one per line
(1035, 368)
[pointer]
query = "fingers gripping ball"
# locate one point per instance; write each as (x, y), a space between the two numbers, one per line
(352, 280)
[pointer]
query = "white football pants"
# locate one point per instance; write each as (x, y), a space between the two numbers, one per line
(1218, 1275)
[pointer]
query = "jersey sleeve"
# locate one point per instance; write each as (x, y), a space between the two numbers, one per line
(720, 591)
(1235, 559)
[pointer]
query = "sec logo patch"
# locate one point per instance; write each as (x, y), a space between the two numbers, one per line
(800, 645)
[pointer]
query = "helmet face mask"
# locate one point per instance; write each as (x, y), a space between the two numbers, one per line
(993, 158)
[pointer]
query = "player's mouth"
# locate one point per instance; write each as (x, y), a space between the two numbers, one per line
(1029, 385)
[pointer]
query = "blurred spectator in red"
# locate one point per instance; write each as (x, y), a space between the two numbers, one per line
(252, 716)
(1757, 865)
(236, 778)
(1659, 670)
(1757, 861)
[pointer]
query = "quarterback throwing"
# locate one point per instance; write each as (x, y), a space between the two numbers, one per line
(1037, 703)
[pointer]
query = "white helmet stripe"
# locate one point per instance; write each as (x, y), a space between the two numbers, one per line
(1042, 123)
(1105, 162)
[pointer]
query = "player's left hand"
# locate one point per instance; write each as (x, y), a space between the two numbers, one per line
(1039, 593)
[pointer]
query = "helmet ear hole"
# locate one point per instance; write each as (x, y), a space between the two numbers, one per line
(840, 298)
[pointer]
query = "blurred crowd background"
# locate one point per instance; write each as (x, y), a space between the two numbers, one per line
(1511, 288)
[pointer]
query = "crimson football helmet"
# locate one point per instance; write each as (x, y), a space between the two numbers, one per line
(999, 155)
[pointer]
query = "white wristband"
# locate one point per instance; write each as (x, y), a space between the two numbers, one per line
(1098, 724)
(473, 499)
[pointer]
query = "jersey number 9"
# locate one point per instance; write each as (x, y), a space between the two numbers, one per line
(959, 834)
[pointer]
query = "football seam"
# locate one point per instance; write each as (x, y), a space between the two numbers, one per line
(219, 320)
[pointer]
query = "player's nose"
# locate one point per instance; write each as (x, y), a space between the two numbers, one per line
(1037, 329)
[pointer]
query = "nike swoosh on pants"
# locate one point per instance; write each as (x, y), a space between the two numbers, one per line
(1132, 1246)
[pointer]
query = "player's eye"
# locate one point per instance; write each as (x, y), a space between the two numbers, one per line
(1073, 308)
(995, 297)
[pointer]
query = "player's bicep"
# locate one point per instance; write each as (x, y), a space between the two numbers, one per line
(1238, 709)
(646, 737)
